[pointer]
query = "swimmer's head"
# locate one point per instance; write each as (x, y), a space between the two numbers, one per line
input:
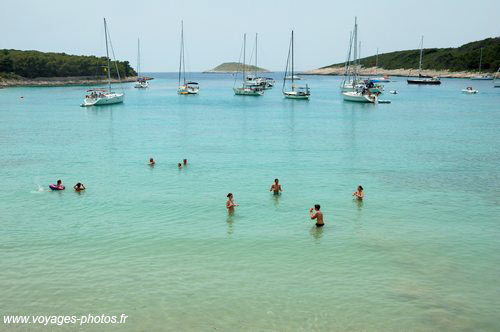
(276, 180)
(229, 195)
(179, 165)
(151, 160)
(59, 182)
(78, 185)
(317, 207)
(360, 188)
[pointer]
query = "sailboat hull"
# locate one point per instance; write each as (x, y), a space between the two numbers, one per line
(424, 82)
(141, 85)
(296, 95)
(247, 92)
(358, 97)
(482, 78)
(108, 99)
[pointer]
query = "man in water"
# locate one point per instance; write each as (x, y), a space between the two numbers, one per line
(185, 162)
(318, 215)
(276, 187)
(230, 202)
(79, 187)
(358, 194)
(151, 162)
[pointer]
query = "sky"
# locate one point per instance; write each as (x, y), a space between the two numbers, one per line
(214, 29)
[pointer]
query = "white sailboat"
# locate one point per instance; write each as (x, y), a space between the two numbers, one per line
(98, 97)
(141, 82)
(481, 77)
(185, 87)
(496, 82)
(423, 80)
(296, 92)
(352, 88)
(245, 89)
(469, 90)
(254, 80)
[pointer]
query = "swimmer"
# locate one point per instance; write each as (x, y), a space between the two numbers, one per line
(79, 187)
(151, 162)
(359, 193)
(185, 162)
(179, 165)
(230, 202)
(276, 187)
(58, 186)
(318, 215)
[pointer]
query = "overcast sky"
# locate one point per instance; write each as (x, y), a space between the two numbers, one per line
(214, 29)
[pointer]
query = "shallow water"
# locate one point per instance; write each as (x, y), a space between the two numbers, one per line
(420, 253)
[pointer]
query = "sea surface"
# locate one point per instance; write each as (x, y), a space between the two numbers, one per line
(421, 253)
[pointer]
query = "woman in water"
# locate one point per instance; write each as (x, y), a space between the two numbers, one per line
(79, 187)
(230, 202)
(359, 193)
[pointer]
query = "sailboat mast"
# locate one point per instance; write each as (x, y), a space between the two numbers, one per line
(355, 46)
(359, 55)
(256, 37)
(292, 60)
(287, 63)
(480, 60)
(138, 58)
(244, 54)
(181, 52)
(107, 55)
(421, 50)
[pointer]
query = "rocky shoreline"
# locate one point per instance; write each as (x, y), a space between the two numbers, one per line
(59, 81)
(374, 71)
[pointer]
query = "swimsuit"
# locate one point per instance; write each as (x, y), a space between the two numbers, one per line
(320, 225)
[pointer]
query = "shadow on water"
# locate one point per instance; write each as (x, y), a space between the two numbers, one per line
(316, 232)
(230, 221)
(276, 199)
(358, 203)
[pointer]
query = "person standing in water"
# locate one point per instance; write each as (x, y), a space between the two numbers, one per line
(79, 187)
(358, 194)
(185, 162)
(151, 162)
(230, 202)
(276, 187)
(317, 215)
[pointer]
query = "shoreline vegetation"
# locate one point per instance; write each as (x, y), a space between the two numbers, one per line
(458, 62)
(60, 81)
(34, 68)
(401, 72)
(235, 67)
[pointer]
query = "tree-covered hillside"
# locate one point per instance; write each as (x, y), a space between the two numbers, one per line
(463, 58)
(33, 64)
(235, 67)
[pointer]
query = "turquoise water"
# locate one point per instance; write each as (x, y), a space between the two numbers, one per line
(421, 253)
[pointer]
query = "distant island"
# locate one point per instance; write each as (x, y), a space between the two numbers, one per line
(233, 67)
(19, 68)
(462, 61)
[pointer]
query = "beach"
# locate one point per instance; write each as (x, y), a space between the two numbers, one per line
(374, 71)
(59, 81)
(157, 244)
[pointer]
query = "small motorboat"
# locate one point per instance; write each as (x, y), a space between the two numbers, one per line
(470, 90)
(394, 92)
